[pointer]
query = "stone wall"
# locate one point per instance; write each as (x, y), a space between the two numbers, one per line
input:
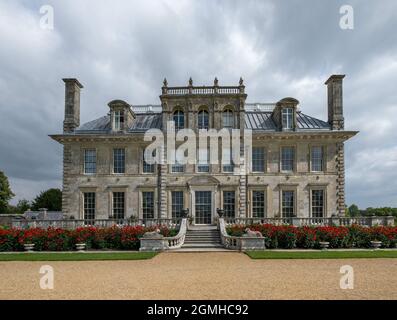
(134, 180)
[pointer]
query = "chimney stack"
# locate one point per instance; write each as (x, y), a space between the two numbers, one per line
(335, 101)
(72, 104)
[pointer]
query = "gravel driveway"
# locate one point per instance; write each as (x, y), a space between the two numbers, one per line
(201, 276)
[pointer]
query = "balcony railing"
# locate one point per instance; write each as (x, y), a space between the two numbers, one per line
(203, 90)
(313, 221)
(75, 223)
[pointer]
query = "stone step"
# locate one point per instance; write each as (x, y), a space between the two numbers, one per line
(201, 245)
(203, 241)
(203, 233)
(202, 236)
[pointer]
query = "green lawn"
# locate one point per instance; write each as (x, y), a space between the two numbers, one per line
(74, 256)
(322, 254)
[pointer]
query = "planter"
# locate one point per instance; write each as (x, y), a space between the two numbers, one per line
(80, 247)
(324, 245)
(28, 247)
(376, 244)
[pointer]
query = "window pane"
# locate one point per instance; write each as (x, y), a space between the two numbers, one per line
(118, 120)
(178, 167)
(118, 205)
(179, 120)
(177, 204)
(119, 160)
(228, 119)
(90, 161)
(203, 119)
(148, 168)
(258, 159)
(228, 165)
(148, 205)
(258, 204)
(317, 158)
(288, 204)
(287, 158)
(89, 207)
(203, 160)
(318, 203)
(287, 118)
(229, 204)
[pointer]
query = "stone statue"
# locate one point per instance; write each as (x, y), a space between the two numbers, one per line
(190, 82)
(252, 233)
(153, 234)
(241, 82)
(165, 82)
(216, 82)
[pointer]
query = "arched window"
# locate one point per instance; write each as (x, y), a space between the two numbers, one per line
(179, 119)
(203, 119)
(228, 119)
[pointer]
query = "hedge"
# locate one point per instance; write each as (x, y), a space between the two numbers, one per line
(308, 237)
(57, 239)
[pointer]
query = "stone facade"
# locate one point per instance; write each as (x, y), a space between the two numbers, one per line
(263, 121)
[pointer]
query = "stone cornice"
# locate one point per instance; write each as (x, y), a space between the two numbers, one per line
(256, 136)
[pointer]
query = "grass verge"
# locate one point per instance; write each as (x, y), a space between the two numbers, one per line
(322, 254)
(74, 256)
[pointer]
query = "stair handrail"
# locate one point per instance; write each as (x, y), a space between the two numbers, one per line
(178, 240)
(229, 242)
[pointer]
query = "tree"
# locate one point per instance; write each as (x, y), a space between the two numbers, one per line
(5, 192)
(354, 211)
(50, 199)
(22, 206)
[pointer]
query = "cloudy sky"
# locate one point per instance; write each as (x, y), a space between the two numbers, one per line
(124, 49)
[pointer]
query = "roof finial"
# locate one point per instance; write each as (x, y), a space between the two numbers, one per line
(241, 82)
(190, 82)
(165, 83)
(216, 82)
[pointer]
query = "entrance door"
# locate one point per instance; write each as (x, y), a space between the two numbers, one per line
(203, 207)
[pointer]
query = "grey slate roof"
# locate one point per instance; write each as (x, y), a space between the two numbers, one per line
(264, 121)
(257, 117)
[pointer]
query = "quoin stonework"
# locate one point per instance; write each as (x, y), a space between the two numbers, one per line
(288, 164)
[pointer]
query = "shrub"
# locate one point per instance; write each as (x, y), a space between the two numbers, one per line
(288, 237)
(57, 239)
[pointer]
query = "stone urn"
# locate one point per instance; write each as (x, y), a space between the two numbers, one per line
(80, 247)
(220, 212)
(324, 245)
(376, 244)
(185, 213)
(28, 247)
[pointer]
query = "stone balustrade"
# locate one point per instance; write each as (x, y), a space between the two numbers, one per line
(103, 223)
(369, 221)
(159, 243)
(239, 243)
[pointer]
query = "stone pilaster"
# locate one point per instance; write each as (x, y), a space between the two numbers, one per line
(162, 186)
(340, 186)
(66, 191)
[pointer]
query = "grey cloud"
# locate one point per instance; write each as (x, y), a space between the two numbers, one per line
(125, 49)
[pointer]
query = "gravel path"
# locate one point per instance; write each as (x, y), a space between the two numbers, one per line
(201, 276)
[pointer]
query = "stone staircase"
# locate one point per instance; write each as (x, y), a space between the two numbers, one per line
(202, 238)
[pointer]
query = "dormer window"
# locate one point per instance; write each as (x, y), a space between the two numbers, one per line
(287, 118)
(118, 120)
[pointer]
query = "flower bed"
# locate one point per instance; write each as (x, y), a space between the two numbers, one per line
(288, 237)
(57, 239)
